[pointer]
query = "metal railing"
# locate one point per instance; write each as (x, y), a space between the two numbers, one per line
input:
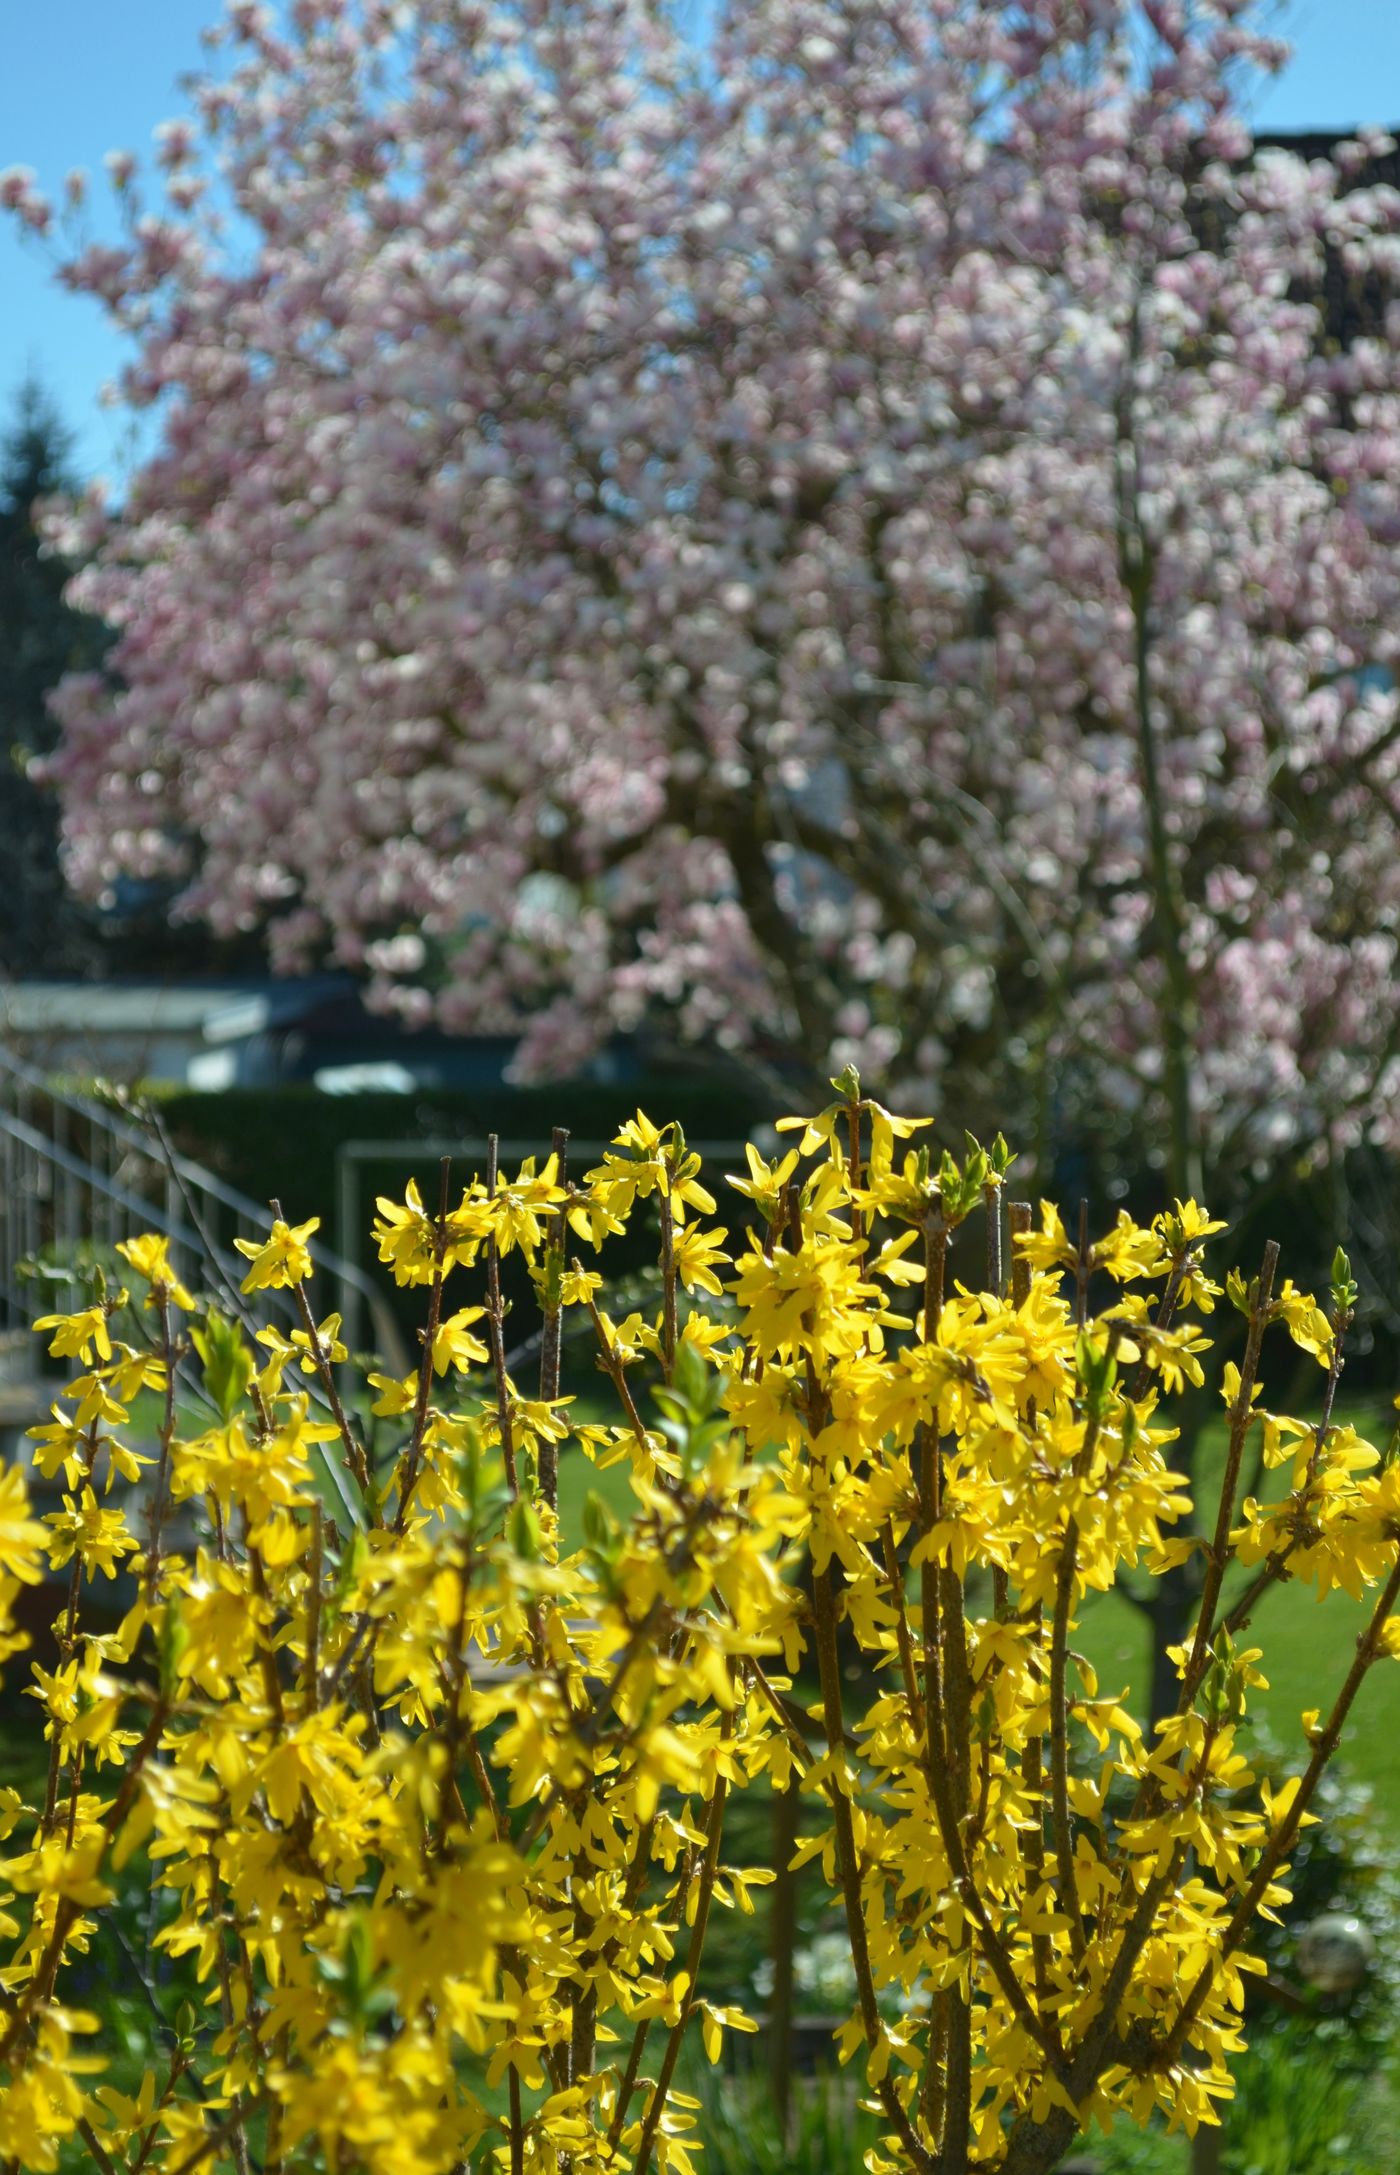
(76, 1175)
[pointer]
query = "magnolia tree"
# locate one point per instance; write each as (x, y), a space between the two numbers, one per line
(851, 521)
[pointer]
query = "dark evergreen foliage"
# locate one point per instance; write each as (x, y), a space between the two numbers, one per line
(44, 930)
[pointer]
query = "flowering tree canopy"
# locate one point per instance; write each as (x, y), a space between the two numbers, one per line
(852, 522)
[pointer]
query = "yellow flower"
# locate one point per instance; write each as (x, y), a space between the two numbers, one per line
(1049, 1247)
(328, 1348)
(766, 1183)
(516, 1214)
(406, 1237)
(1185, 1225)
(97, 1537)
(395, 1396)
(131, 1373)
(149, 1256)
(697, 1254)
(63, 1442)
(1307, 1325)
(282, 1260)
(60, 1870)
(431, 1772)
(76, 1335)
(454, 1345)
(21, 1538)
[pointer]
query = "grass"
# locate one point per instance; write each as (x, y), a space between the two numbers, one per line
(830, 2132)
(1308, 1647)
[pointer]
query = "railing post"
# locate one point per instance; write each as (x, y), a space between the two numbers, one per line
(65, 1222)
(103, 1180)
(8, 1295)
(347, 1190)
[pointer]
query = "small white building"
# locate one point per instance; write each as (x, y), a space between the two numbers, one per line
(176, 1031)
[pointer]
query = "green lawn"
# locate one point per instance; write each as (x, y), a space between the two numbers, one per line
(1308, 1647)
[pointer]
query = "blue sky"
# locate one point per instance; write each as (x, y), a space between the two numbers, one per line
(82, 77)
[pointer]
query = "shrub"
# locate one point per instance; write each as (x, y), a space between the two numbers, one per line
(430, 1793)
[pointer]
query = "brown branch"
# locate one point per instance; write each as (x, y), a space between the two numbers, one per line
(932, 2092)
(709, 1867)
(1019, 1217)
(552, 1337)
(311, 1660)
(1060, 1827)
(1324, 1745)
(848, 1868)
(616, 1373)
(40, 1987)
(209, 2143)
(517, 2125)
(267, 1659)
(668, 1287)
(354, 1448)
(159, 1503)
(409, 1462)
(1034, 1779)
(496, 1326)
(903, 1638)
(89, 2136)
(1241, 1413)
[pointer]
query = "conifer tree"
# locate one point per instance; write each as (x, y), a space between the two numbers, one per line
(44, 929)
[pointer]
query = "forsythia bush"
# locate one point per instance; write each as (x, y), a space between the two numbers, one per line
(431, 1793)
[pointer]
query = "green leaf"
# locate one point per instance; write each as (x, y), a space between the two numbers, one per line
(1098, 1371)
(693, 1381)
(228, 1364)
(172, 1638)
(352, 1562)
(523, 1531)
(1344, 1290)
(600, 1529)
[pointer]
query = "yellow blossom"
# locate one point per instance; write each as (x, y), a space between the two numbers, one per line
(149, 1256)
(426, 1750)
(283, 1259)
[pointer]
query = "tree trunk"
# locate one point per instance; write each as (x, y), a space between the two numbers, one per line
(1208, 2151)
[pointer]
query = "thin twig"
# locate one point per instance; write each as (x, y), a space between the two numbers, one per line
(40, 1987)
(1060, 1827)
(1324, 1745)
(496, 1325)
(709, 1867)
(668, 1287)
(159, 1498)
(354, 1448)
(311, 1662)
(551, 1341)
(409, 1462)
(1241, 1414)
